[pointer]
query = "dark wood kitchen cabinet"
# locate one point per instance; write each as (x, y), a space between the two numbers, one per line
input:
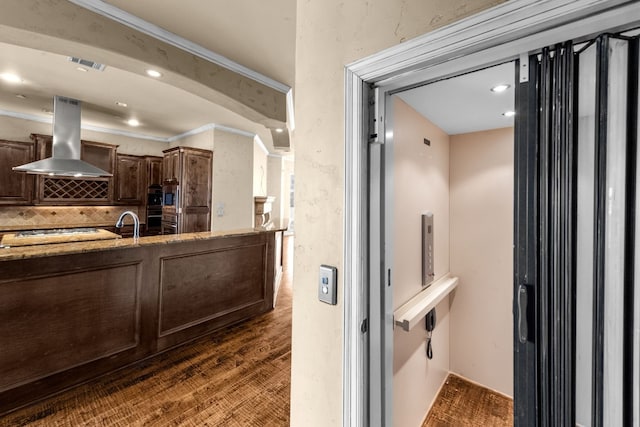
(171, 164)
(16, 188)
(130, 180)
(76, 191)
(154, 170)
(192, 168)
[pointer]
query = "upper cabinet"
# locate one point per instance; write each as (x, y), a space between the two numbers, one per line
(154, 170)
(134, 175)
(99, 154)
(130, 177)
(171, 165)
(62, 190)
(193, 170)
(16, 188)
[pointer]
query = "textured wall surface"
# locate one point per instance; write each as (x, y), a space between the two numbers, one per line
(331, 34)
(232, 181)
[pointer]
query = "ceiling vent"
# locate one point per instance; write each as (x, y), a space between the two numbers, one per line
(87, 63)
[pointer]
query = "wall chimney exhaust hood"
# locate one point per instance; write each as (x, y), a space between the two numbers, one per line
(65, 159)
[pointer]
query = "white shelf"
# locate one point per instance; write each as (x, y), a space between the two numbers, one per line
(413, 311)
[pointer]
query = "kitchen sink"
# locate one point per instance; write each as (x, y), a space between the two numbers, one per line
(57, 232)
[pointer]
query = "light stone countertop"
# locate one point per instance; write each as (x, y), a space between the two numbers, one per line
(36, 251)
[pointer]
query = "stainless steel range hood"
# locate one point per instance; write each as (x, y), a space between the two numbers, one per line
(65, 159)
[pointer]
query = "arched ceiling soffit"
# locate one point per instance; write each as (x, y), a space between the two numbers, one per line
(61, 27)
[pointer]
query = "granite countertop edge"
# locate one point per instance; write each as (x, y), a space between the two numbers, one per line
(36, 251)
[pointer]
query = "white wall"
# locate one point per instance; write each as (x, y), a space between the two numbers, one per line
(481, 200)
(232, 181)
(204, 140)
(274, 184)
(329, 35)
(421, 184)
(287, 171)
(259, 171)
(14, 129)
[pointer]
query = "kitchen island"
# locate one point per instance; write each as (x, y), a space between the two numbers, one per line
(74, 311)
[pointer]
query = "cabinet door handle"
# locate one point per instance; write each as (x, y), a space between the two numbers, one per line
(522, 314)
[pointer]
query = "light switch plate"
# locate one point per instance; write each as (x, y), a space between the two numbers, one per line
(327, 284)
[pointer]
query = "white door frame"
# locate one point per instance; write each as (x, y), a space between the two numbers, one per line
(496, 35)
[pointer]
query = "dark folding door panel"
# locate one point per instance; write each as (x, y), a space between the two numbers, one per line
(545, 240)
(576, 322)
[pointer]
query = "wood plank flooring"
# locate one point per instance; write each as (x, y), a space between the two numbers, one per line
(239, 376)
(462, 403)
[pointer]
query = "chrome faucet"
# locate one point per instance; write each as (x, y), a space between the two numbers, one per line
(136, 222)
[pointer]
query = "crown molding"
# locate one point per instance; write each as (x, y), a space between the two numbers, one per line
(167, 140)
(132, 21)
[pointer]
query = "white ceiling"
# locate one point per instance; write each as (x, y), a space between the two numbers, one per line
(465, 103)
(257, 35)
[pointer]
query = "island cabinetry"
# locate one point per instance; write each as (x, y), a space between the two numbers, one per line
(196, 299)
(68, 191)
(131, 172)
(192, 169)
(16, 188)
(68, 318)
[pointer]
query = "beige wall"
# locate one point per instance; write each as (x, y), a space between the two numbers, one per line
(232, 182)
(203, 140)
(259, 171)
(14, 129)
(421, 184)
(329, 35)
(287, 171)
(482, 257)
(274, 184)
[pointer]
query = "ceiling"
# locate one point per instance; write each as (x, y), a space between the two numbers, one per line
(257, 35)
(265, 43)
(466, 103)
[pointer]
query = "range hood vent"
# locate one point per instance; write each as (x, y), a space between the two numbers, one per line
(87, 63)
(65, 160)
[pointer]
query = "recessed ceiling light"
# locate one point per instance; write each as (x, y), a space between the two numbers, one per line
(154, 73)
(10, 78)
(133, 122)
(279, 130)
(121, 104)
(84, 70)
(509, 113)
(21, 96)
(500, 88)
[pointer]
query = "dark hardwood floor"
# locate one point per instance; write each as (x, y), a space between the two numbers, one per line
(239, 376)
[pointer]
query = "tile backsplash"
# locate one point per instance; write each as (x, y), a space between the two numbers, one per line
(36, 217)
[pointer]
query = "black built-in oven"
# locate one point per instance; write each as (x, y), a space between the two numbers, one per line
(154, 210)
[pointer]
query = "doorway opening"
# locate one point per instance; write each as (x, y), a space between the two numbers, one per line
(450, 147)
(484, 40)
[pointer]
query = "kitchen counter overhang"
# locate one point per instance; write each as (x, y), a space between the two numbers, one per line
(71, 312)
(54, 249)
